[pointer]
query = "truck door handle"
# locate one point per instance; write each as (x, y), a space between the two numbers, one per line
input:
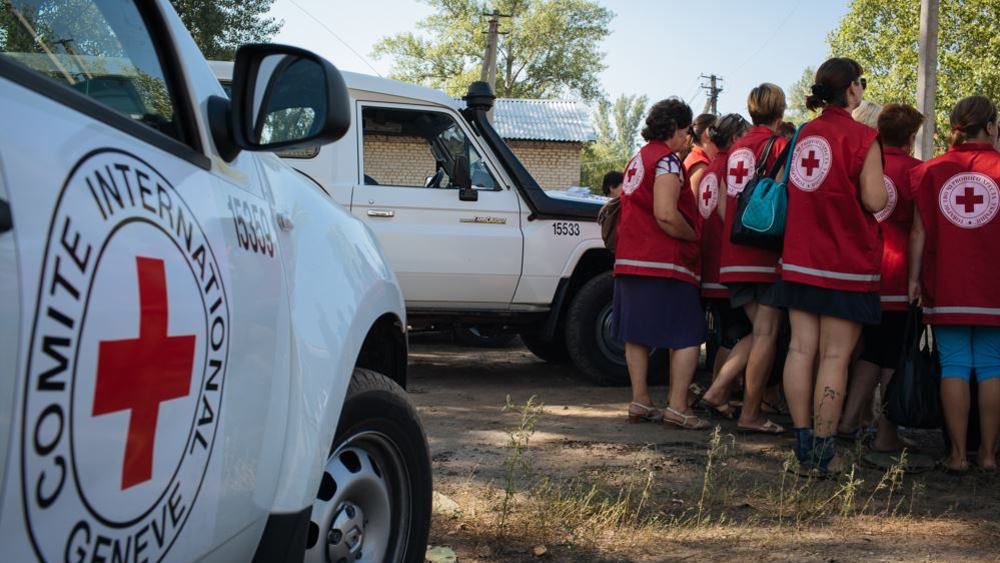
(6, 221)
(381, 213)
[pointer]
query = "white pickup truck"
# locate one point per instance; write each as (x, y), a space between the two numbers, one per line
(201, 356)
(470, 234)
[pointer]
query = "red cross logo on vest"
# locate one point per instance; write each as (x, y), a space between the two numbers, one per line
(739, 169)
(811, 162)
(969, 200)
(708, 197)
(893, 199)
(633, 175)
(140, 373)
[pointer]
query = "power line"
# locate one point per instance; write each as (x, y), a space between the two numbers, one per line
(335, 36)
(770, 35)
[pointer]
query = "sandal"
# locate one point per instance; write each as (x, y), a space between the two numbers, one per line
(724, 410)
(687, 421)
(638, 412)
(769, 427)
(774, 408)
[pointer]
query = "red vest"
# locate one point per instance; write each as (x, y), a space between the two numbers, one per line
(644, 249)
(894, 224)
(711, 226)
(830, 240)
(742, 263)
(696, 156)
(958, 198)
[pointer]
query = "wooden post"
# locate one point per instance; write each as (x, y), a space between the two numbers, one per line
(927, 76)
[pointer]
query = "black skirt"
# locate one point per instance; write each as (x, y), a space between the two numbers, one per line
(858, 306)
(657, 312)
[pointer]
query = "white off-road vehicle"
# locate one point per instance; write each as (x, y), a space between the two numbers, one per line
(470, 234)
(201, 356)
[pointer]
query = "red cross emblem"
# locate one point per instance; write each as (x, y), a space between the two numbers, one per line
(739, 172)
(631, 173)
(706, 196)
(810, 163)
(969, 199)
(140, 373)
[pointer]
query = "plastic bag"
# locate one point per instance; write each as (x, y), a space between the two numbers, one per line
(913, 397)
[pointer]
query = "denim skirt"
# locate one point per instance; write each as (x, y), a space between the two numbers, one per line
(657, 312)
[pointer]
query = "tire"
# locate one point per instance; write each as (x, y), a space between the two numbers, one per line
(588, 337)
(552, 351)
(485, 336)
(376, 481)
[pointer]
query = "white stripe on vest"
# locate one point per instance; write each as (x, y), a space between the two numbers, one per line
(962, 310)
(713, 286)
(831, 275)
(748, 270)
(893, 299)
(656, 265)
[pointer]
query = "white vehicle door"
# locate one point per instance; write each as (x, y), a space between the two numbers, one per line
(445, 252)
(142, 299)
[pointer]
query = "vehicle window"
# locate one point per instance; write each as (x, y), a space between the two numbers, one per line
(100, 48)
(417, 148)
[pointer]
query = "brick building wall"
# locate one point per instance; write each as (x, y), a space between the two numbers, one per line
(407, 161)
(554, 165)
(398, 161)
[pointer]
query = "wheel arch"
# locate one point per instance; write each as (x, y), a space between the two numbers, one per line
(593, 262)
(384, 349)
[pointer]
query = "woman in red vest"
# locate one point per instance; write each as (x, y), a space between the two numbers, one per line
(832, 256)
(955, 249)
(731, 323)
(882, 345)
(703, 150)
(747, 271)
(657, 269)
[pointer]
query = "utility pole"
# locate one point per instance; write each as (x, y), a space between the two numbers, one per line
(713, 88)
(489, 72)
(927, 76)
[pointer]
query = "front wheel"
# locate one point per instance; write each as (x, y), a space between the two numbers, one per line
(593, 348)
(374, 500)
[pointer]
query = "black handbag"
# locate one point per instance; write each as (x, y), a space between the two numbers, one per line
(913, 396)
(740, 234)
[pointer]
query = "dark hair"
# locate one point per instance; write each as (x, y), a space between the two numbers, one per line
(786, 130)
(665, 118)
(766, 104)
(969, 118)
(611, 179)
(701, 124)
(897, 123)
(727, 129)
(833, 78)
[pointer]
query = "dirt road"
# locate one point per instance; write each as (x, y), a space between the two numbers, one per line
(587, 486)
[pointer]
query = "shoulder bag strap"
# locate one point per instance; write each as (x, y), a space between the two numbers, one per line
(785, 158)
(762, 157)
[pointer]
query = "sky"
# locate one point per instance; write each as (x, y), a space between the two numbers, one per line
(656, 48)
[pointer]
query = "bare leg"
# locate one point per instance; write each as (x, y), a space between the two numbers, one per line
(887, 438)
(719, 392)
(798, 374)
(989, 422)
(837, 338)
(955, 399)
(683, 363)
(766, 326)
(864, 378)
(637, 359)
(720, 360)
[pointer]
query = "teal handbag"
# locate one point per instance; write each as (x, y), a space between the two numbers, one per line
(767, 204)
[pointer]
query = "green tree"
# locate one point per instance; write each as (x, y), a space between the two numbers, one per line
(883, 35)
(220, 26)
(548, 48)
(796, 97)
(617, 128)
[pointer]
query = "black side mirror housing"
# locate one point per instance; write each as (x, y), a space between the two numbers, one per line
(462, 178)
(283, 98)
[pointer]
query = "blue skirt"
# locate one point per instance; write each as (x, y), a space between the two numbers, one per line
(657, 312)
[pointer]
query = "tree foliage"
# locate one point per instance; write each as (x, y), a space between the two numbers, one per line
(220, 26)
(548, 48)
(883, 36)
(796, 97)
(617, 127)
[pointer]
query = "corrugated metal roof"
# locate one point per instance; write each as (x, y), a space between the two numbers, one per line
(543, 120)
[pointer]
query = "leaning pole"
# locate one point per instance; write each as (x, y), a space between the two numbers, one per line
(927, 76)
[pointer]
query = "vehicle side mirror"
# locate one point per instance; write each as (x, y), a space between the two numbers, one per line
(461, 177)
(283, 98)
